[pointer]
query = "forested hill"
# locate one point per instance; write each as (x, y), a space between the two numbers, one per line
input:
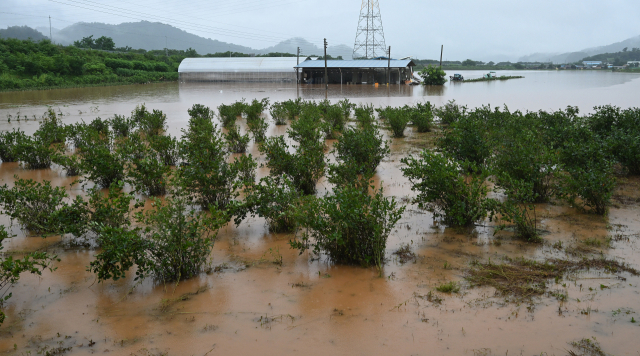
(27, 64)
(617, 58)
(22, 33)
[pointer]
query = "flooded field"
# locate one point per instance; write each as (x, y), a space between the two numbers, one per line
(262, 297)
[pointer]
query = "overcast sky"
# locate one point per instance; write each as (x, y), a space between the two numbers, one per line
(483, 30)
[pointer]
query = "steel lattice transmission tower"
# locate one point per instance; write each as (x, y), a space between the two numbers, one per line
(370, 34)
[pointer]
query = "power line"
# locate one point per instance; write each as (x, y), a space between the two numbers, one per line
(184, 24)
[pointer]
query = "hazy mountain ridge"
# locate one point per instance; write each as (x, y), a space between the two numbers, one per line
(579, 55)
(22, 33)
(154, 35)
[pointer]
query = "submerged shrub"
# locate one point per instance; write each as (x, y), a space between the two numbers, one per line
(236, 142)
(255, 109)
(70, 163)
(350, 226)
(121, 126)
(36, 206)
(35, 153)
(275, 199)
(365, 115)
(101, 164)
(9, 141)
(346, 106)
(444, 190)
(467, 139)
(205, 174)
(421, 116)
(450, 112)
(279, 113)
(228, 115)
(51, 129)
(258, 128)
(397, 120)
(174, 243)
(358, 151)
(518, 210)
(167, 149)
(293, 108)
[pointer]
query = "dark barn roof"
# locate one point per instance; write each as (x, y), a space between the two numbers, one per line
(360, 63)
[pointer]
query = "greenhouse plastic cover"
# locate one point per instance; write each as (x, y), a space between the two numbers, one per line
(238, 64)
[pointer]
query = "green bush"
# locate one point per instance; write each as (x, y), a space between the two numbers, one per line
(397, 120)
(450, 112)
(174, 243)
(521, 153)
(148, 174)
(444, 190)
(9, 141)
(258, 128)
(121, 126)
(153, 123)
(293, 108)
(167, 149)
(334, 121)
(364, 115)
(100, 163)
(346, 106)
(255, 109)
(275, 199)
(70, 163)
(51, 129)
(236, 142)
(517, 210)
(358, 151)
(432, 75)
(36, 206)
(228, 115)
(421, 116)
(279, 113)
(35, 153)
(467, 139)
(205, 173)
(350, 226)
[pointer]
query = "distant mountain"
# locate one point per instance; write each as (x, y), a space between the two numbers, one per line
(146, 35)
(633, 42)
(307, 48)
(22, 33)
(151, 36)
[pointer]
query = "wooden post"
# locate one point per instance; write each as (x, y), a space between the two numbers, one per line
(389, 67)
(326, 76)
(297, 69)
(441, 50)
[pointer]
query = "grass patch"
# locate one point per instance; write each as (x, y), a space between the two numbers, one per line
(450, 287)
(503, 77)
(527, 278)
(405, 254)
(588, 347)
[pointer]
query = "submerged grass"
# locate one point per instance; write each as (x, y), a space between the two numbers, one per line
(524, 278)
(165, 304)
(503, 77)
(588, 347)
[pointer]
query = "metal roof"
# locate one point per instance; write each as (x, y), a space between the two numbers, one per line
(359, 63)
(238, 64)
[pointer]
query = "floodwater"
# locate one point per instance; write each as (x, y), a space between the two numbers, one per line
(251, 305)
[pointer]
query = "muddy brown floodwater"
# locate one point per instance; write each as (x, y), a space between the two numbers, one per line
(251, 305)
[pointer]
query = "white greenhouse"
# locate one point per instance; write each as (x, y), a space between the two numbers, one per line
(239, 69)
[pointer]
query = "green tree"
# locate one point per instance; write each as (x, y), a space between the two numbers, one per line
(433, 75)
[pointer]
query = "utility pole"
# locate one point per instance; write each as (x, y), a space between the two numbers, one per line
(326, 76)
(166, 46)
(50, 33)
(441, 50)
(297, 69)
(389, 67)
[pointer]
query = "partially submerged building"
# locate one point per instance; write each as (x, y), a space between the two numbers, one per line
(238, 69)
(286, 69)
(363, 71)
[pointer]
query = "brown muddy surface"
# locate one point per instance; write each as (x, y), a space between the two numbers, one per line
(249, 304)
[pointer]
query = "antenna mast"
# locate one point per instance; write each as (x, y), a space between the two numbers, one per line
(370, 34)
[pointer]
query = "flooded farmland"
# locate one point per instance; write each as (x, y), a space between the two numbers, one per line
(263, 297)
